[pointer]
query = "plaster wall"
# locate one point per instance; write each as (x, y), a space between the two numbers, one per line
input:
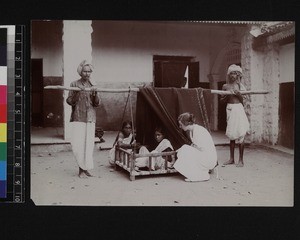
(123, 50)
(47, 44)
(287, 63)
(123, 56)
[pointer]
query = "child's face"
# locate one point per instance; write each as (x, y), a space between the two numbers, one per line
(158, 136)
(127, 129)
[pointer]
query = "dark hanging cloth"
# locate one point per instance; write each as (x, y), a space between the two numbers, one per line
(162, 106)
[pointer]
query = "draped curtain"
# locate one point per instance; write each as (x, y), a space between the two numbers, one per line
(162, 106)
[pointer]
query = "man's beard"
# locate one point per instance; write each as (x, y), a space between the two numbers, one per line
(232, 79)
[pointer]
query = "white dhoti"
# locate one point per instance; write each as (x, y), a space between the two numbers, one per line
(83, 141)
(237, 122)
(195, 164)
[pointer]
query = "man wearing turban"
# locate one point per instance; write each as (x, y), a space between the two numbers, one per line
(237, 121)
(83, 119)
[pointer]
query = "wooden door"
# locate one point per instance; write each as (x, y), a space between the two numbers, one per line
(193, 73)
(286, 115)
(169, 74)
(37, 92)
(222, 121)
(169, 71)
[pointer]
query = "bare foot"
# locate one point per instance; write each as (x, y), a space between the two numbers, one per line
(137, 169)
(188, 180)
(88, 174)
(82, 175)
(228, 162)
(240, 164)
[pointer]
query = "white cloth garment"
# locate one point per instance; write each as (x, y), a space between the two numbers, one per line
(237, 122)
(157, 162)
(195, 163)
(83, 141)
(112, 152)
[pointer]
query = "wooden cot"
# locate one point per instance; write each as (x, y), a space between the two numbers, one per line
(125, 159)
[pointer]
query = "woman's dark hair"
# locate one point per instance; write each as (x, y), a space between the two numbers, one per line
(186, 118)
(125, 123)
(161, 130)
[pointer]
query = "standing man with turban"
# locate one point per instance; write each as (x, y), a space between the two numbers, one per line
(237, 121)
(83, 119)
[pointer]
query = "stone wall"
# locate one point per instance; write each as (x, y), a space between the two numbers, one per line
(112, 106)
(271, 79)
(261, 72)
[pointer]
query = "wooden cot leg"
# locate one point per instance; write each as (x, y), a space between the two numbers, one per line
(116, 158)
(132, 165)
(166, 162)
(132, 177)
(150, 164)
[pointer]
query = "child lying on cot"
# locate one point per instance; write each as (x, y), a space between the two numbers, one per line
(164, 145)
(124, 139)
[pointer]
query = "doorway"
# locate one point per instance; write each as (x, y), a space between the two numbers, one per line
(37, 93)
(170, 71)
(222, 122)
(286, 113)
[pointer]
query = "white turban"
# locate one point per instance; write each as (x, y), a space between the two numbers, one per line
(82, 64)
(234, 68)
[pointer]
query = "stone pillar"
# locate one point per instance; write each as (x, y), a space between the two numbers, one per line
(213, 82)
(261, 71)
(271, 78)
(77, 46)
(253, 64)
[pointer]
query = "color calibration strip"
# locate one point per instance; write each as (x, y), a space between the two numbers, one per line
(17, 144)
(3, 113)
(14, 188)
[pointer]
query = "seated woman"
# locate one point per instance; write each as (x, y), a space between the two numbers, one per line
(124, 139)
(194, 161)
(164, 145)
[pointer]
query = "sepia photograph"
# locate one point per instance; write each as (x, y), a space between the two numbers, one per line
(162, 113)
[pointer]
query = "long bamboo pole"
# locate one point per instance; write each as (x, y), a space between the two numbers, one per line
(242, 92)
(113, 90)
(116, 90)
